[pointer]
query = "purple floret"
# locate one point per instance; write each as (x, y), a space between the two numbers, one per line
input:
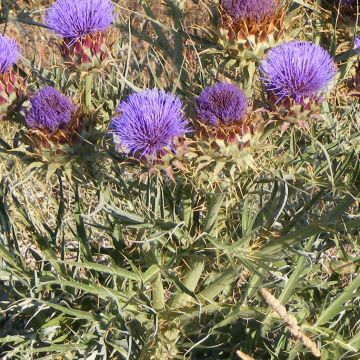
(250, 9)
(297, 70)
(149, 121)
(222, 103)
(9, 53)
(346, 2)
(357, 43)
(74, 19)
(50, 110)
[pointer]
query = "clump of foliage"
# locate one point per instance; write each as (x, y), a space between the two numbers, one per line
(180, 180)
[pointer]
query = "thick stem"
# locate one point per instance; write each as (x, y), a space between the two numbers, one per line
(88, 92)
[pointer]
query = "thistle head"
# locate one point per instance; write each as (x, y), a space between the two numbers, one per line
(297, 70)
(74, 19)
(346, 2)
(256, 10)
(50, 110)
(149, 121)
(222, 103)
(357, 43)
(9, 53)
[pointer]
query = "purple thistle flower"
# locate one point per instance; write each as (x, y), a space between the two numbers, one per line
(9, 53)
(297, 70)
(250, 9)
(149, 121)
(346, 2)
(223, 102)
(50, 110)
(74, 19)
(357, 43)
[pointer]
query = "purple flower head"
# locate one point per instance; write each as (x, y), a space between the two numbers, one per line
(250, 9)
(149, 121)
(50, 110)
(346, 2)
(223, 102)
(9, 53)
(357, 43)
(297, 70)
(74, 19)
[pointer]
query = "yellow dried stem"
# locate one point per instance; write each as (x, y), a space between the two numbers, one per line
(243, 356)
(290, 321)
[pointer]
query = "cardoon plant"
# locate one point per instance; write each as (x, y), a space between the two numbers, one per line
(149, 122)
(295, 75)
(82, 25)
(10, 82)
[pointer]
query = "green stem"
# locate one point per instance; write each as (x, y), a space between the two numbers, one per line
(158, 293)
(88, 91)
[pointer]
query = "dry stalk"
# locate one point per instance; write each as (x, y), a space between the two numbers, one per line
(243, 356)
(291, 322)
